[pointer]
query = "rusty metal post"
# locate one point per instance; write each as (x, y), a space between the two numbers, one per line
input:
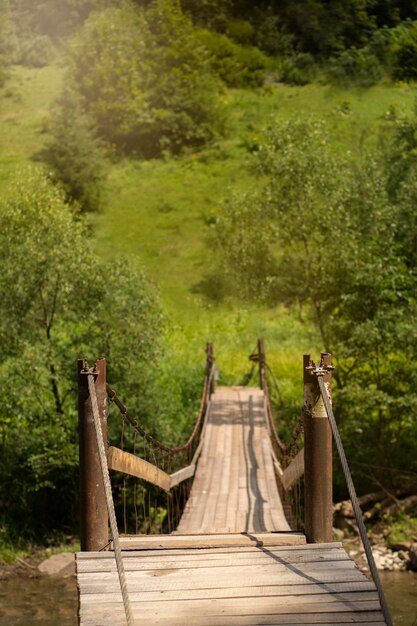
(209, 366)
(262, 363)
(93, 506)
(318, 477)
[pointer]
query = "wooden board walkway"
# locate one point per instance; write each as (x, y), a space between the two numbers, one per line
(228, 586)
(234, 489)
(233, 560)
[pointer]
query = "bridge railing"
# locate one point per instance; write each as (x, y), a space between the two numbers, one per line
(160, 476)
(314, 460)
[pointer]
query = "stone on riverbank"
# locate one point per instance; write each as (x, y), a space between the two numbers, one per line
(61, 565)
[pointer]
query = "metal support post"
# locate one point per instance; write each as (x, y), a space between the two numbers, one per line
(262, 363)
(93, 505)
(318, 477)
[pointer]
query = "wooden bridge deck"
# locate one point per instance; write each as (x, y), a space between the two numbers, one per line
(234, 489)
(234, 560)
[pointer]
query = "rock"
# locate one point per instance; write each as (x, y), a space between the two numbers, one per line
(62, 565)
(412, 554)
(400, 545)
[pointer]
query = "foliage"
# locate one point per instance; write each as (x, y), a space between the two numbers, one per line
(355, 67)
(237, 66)
(405, 54)
(57, 297)
(52, 19)
(144, 79)
(298, 69)
(327, 235)
(36, 51)
(213, 14)
(7, 39)
(74, 154)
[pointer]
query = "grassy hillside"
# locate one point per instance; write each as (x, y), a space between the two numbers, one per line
(160, 210)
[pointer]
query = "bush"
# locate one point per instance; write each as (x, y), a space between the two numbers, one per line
(355, 67)
(241, 31)
(74, 154)
(145, 80)
(36, 51)
(237, 66)
(60, 302)
(405, 53)
(299, 69)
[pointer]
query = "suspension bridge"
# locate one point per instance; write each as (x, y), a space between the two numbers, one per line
(216, 539)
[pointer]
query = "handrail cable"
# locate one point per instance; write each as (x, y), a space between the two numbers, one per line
(319, 372)
(158, 444)
(110, 503)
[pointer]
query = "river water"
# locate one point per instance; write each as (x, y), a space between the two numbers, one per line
(53, 602)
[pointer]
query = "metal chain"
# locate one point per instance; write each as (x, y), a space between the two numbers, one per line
(158, 444)
(110, 503)
(354, 498)
(296, 433)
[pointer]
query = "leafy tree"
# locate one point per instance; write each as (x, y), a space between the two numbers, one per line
(144, 78)
(74, 154)
(324, 232)
(59, 302)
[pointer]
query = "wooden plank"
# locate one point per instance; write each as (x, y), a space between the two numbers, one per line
(240, 606)
(226, 620)
(286, 591)
(201, 557)
(154, 580)
(122, 461)
(182, 474)
(294, 471)
(211, 541)
(296, 549)
(252, 601)
(243, 560)
(269, 567)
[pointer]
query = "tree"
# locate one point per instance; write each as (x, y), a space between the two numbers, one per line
(60, 302)
(74, 153)
(144, 79)
(324, 232)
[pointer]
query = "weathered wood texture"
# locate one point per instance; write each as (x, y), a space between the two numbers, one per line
(234, 488)
(294, 471)
(305, 584)
(122, 461)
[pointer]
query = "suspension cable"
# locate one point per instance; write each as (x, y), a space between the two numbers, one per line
(158, 444)
(352, 493)
(110, 503)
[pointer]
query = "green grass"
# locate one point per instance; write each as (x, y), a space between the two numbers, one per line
(160, 210)
(25, 103)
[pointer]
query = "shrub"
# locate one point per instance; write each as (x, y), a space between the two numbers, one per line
(241, 31)
(145, 80)
(405, 53)
(237, 66)
(299, 69)
(357, 67)
(74, 154)
(36, 51)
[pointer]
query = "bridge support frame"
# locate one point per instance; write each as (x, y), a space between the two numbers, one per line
(94, 525)
(318, 470)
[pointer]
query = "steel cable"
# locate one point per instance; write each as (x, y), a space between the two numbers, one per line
(353, 497)
(110, 503)
(158, 444)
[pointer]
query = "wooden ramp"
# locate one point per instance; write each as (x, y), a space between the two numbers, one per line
(260, 581)
(233, 560)
(234, 489)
